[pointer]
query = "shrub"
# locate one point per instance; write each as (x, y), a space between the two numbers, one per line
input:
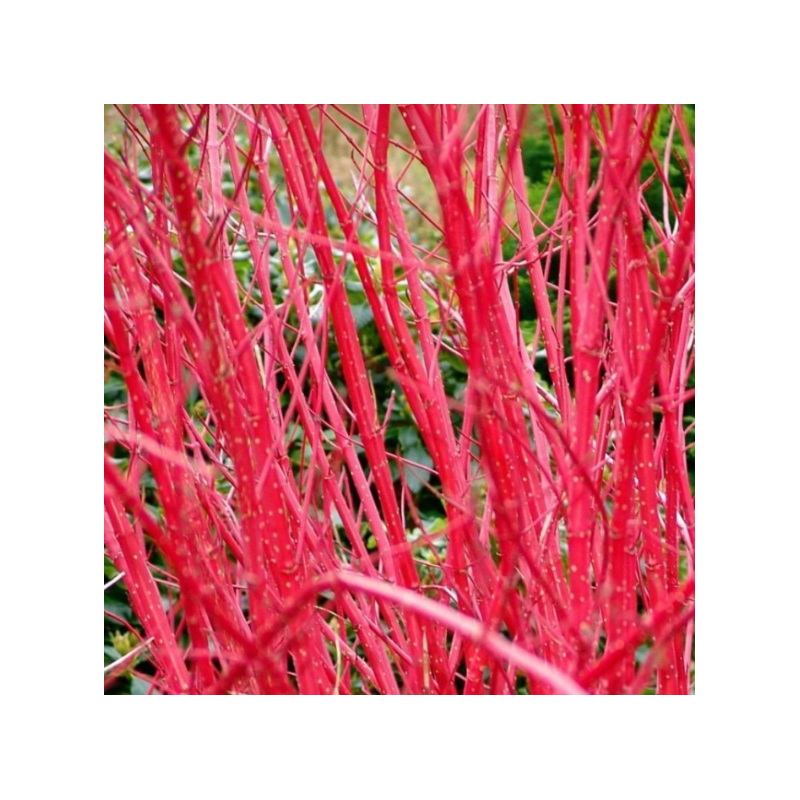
(376, 423)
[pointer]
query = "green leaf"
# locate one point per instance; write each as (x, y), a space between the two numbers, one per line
(139, 686)
(415, 475)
